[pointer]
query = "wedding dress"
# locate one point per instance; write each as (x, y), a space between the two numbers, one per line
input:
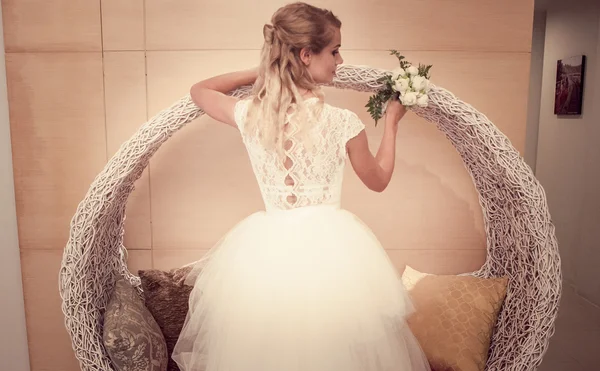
(303, 285)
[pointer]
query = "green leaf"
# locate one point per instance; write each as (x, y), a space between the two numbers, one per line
(375, 106)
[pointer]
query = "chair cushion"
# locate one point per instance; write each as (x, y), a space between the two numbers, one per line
(454, 317)
(167, 299)
(131, 336)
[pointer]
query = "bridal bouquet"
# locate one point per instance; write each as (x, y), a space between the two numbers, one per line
(408, 83)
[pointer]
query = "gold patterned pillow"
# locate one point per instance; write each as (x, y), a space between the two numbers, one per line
(454, 317)
(131, 336)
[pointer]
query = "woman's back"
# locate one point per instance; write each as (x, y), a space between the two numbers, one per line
(310, 171)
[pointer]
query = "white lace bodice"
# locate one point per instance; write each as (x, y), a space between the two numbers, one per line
(309, 175)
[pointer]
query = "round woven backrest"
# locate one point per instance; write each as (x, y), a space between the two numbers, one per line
(521, 242)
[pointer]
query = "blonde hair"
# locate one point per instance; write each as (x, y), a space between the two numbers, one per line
(282, 73)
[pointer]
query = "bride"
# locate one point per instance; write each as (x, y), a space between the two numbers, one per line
(303, 285)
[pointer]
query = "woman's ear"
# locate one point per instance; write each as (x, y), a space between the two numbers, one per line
(305, 56)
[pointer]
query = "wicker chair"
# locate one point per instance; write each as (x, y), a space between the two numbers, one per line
(521, 241)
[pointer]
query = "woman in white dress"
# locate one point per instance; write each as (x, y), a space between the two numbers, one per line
(303, 285)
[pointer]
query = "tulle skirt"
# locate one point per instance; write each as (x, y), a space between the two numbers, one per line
(308, 289)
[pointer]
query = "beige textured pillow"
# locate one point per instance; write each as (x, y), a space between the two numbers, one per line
(131, 336)
(454, 317)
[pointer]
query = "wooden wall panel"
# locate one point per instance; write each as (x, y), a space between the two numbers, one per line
(123, 25)
(49, 343)
(167, 259)
(51, 25)
(201, 180)
(58, 138)
(483, 25)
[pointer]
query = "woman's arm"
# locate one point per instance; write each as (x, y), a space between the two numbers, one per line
(210, 94)
(376, 171)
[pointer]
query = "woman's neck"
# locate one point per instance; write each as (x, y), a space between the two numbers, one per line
(304, 93)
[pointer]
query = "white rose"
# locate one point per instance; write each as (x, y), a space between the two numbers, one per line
(412, 70)
(426, 86)
(418, 82)
(409, 99)
(402, 85)
(398, 72)
(422, 100)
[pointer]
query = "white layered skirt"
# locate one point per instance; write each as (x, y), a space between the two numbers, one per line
(308, 289)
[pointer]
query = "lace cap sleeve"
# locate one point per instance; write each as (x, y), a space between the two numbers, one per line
(354, 126)
(240, 111)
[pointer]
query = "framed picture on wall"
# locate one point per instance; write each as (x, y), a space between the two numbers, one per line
(568, 96)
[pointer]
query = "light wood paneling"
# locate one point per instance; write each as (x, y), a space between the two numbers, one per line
(123, 24)
(125, 95)
(202, 184)
(58, 139)
(171, 74)
(49, 343)
(484, 25)
(139, 259)
(438, 261)
(167, 259)
(56, 25)
(201, 179)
